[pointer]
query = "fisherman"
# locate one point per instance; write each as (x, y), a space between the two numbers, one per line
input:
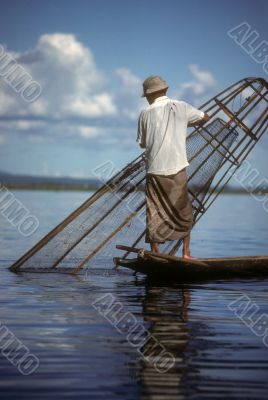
(162, 130)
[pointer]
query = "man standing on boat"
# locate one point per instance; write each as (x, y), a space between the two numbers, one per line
(162, 132)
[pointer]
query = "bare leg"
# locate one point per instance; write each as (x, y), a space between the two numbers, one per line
(155, 247)
(186, 247)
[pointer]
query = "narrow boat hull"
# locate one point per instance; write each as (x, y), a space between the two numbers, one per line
(179, 269)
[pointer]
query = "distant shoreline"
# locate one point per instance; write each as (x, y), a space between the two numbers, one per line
(92, 188)
(90, 184)
(51, 187)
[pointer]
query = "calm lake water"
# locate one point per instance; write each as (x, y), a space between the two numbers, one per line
(82, 355)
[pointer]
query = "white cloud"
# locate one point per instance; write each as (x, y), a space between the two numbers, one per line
(203, 80)
(89, 132)
(25, 125)
(77, 101)
(6, 100)
(198, 90)
(96, 106)
(70, 80)
(129, 81)
(128, 97)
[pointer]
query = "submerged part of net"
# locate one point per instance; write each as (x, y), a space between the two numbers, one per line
(115, 214)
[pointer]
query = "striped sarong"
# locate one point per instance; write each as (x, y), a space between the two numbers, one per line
(168, 208)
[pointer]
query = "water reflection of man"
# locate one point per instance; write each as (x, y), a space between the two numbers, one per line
(167, 312)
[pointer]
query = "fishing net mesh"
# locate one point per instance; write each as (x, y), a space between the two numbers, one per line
(116, 213)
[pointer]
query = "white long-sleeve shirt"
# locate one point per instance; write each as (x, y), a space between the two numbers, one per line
(162, 132)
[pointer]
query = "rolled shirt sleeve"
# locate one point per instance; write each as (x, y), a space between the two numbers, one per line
(193, 114)
(141, 132)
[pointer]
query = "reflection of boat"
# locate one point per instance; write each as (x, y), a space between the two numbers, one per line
(172, 267)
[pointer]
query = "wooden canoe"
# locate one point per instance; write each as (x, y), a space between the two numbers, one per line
(164, 266)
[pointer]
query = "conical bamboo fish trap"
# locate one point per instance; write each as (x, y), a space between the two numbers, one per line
(115, 214)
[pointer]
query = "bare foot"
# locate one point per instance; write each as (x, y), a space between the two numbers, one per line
(188, 257)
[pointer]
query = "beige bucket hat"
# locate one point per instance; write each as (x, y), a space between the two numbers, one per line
(153, 84)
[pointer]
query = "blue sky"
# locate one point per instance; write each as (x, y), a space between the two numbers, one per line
(91, 57)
